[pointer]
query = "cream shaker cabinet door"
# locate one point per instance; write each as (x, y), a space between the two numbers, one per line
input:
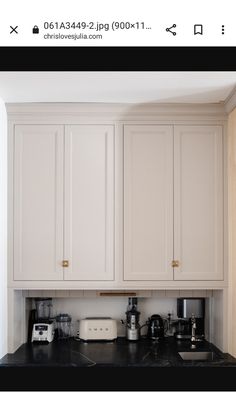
(198, 203)
(89, 202)
(38, 202)
(148, 202)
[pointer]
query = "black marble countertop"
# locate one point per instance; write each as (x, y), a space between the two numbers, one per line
(145, 365)
(118, 353)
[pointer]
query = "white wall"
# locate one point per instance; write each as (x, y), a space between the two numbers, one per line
(3, 229)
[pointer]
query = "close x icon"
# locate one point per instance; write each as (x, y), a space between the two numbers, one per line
(13, 29)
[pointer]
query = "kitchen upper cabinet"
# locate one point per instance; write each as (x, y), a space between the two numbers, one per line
(148, 202)
(38, 202)
(116, 201)
(64, 203)
(173, 203)
(89, 202)
(198, 203)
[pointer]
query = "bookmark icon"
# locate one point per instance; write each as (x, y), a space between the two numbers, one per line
(198, 29)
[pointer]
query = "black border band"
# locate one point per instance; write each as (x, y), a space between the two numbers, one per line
(117, 58)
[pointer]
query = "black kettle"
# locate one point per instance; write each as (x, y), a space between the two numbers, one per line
(156, 328)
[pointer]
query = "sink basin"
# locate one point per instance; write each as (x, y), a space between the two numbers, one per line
(198, 356)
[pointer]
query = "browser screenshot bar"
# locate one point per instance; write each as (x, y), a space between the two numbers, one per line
(90, 23)
(117, 32)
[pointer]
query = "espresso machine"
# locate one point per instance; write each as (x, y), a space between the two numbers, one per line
(132, 320)
(191, 319)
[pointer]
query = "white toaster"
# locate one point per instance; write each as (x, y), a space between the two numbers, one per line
(97, 328)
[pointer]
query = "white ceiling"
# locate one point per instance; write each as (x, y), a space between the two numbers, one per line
(120, 87)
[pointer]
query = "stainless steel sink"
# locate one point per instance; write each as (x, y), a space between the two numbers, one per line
(198, 356)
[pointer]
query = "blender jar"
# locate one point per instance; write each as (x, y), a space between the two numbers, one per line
(63, 326)
(43, 308)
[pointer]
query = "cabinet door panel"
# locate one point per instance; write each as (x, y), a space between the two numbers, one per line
(198, 220)
(38, 202)
(89, 202)
(148, 202)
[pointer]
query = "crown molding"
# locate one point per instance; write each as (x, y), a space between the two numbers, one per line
(115, 112)
(230, 102)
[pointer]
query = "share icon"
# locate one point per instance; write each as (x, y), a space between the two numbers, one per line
(169, 29)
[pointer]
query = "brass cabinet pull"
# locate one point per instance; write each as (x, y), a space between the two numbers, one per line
(175, 264)
(65, 263)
